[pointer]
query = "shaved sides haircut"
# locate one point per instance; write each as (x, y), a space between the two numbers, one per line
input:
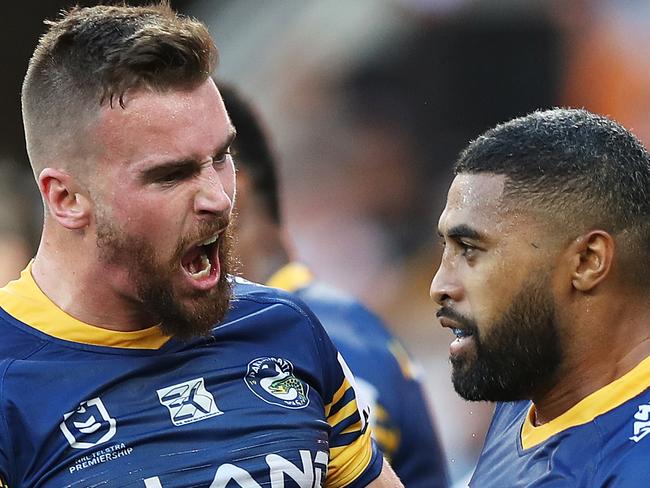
(94, 56)
(582, 170)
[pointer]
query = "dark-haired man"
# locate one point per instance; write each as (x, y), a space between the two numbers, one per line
(129, 356)
(545, 282)
(384, 373)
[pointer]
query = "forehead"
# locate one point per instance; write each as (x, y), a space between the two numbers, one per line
(475, 200)
(182, 123)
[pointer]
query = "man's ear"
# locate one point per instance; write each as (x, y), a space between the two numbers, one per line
(592, 255)
(66, 203)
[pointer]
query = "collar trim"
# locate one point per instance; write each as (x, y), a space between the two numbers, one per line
(26, 302)
(599, 402)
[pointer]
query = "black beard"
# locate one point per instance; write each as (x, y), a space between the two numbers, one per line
(155, 292)
(520, 354)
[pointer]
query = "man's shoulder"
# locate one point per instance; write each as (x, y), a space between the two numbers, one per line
(17, 342)
(626, 434)
(259, 303)
(624, 468)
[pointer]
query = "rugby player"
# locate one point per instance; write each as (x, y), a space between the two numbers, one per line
(545, 283)
(129, 355)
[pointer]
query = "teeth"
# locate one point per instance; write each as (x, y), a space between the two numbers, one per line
(460, 333)
(208, 241)
(205, 271)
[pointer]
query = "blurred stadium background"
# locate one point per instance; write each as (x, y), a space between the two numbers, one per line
(368, 103)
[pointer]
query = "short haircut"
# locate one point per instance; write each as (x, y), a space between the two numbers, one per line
(252, 150)
(93, 56)
(583, 170)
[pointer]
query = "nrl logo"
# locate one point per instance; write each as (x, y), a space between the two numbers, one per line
(88, 425)
(272, 380)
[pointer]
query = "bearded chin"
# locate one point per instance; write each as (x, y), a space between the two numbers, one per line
(185, 315)
(188, 321)
(519, 357)
(199, 313)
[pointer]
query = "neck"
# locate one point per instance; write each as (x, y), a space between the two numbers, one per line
(598, 353)
(67, 271)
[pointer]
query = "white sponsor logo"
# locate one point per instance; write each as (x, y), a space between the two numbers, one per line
(89, 425)
(188, 402)
(642, 424)
(312, 474)
(99, 457)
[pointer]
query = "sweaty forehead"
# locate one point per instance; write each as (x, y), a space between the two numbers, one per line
(165, 124)
(475, 200)
(472, 190)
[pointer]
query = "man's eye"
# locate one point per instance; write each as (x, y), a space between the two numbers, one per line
(222, 158)
(467, 250)
(172, 177)
(168, 178)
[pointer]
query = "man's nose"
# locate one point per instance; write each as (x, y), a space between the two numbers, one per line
(212, 196)
(444, 286)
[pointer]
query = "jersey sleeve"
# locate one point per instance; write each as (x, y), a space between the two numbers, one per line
(354, 459)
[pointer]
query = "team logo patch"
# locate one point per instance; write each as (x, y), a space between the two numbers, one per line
(188, 402)
(272, 380)
(642, 423)
(89, 425)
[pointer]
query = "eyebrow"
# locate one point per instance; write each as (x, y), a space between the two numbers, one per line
(166, 167)
(463, 231)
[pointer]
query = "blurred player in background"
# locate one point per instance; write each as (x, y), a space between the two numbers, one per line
(385, 376)
(129, 355)
(545, 282)
(18, 207)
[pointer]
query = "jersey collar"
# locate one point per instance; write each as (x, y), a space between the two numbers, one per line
(601, 401)
(25, 301)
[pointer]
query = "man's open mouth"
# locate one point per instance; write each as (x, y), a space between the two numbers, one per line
(202, 259)
(460, 333)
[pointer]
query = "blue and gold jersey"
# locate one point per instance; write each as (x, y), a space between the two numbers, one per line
(603, 441)
(385, 376)
(264, 401)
